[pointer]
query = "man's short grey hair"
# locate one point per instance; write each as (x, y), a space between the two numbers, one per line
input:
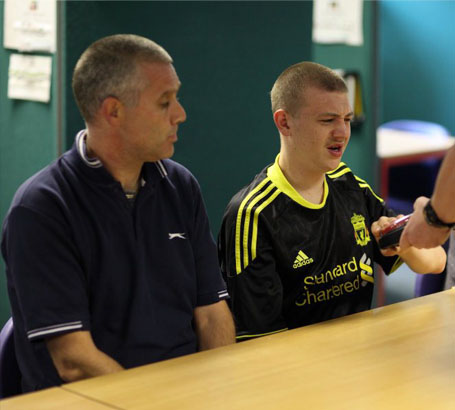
(288, 92)
(111, 67)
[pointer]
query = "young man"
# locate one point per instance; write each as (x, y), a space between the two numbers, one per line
(110, 260)
(297, 245)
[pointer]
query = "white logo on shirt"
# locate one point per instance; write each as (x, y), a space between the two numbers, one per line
(177, 235)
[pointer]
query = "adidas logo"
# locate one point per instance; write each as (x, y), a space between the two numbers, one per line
(302, 260)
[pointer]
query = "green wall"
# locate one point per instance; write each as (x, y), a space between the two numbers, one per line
(28, 142)
(418, 66)
(227, 55)
(361, 152)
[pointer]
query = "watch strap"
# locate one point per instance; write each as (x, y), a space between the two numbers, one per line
(432, 217)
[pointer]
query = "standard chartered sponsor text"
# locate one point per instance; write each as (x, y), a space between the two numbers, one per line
(308, 297)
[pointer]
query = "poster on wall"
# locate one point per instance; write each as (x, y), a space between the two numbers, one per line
(29, 77)
(338, 22)
(30, 25)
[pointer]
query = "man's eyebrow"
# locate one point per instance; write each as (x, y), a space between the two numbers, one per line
(172, 91)
(334, 114)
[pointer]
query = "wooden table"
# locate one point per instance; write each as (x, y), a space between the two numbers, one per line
(52, 399)
(400, 356)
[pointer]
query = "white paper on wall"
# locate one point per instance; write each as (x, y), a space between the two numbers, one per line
(30, 25)
(338, 21)
(29, 77)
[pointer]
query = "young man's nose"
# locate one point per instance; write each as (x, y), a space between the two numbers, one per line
(342, 129)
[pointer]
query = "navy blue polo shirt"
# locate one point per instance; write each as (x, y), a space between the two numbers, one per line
(80, 257)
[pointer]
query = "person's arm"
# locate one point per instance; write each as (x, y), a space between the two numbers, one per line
(418, 232)
(444, 192)
(431, 260)
(76, 357)
(51, 289)
(214, 325)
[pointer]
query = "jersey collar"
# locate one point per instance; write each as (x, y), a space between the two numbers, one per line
(277, 177)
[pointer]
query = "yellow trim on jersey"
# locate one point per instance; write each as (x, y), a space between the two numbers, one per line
(242, 244)
(364, 184)
(396, 265)
(339, 174)
(238, 265)
(255, 223)
(261, 334)
(246, 226)
(276, 175)
(336, 173)
(341, 164)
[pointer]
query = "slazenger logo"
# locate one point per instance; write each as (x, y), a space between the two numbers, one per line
(302, 260)
(177, 235)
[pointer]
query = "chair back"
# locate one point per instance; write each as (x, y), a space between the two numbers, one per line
(10, 376)
(419, 127)
(428, 284)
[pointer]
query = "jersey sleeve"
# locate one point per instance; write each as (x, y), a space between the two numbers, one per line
(255, 287)
(377, 208)
(42, 264)
(211, 286)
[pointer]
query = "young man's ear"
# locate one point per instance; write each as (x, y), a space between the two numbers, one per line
(111, 110)
(282, 119)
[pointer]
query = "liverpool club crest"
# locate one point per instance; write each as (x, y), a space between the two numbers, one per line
(362, 236)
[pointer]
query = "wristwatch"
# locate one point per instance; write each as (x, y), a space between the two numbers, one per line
(432, 218)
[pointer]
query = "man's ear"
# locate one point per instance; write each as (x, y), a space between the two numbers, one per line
(111, 110)
(282, 121)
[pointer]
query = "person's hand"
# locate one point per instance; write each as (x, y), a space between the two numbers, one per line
(418, 233)
(382, 223)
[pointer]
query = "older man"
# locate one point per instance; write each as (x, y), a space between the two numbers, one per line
(110, 260)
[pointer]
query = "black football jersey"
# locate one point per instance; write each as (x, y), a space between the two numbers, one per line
(290, 263)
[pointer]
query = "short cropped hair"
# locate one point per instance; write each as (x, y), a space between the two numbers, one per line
(288, 92)
(110, 67)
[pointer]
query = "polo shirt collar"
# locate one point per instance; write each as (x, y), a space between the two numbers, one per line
(152, 172)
